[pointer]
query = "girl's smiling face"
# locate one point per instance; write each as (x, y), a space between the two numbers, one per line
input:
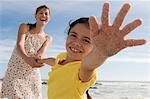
(43, 16)
(78, 43)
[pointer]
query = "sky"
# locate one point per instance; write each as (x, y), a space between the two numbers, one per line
(131, 64)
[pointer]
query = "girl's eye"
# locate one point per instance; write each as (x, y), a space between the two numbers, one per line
(46, 13)
(73, 35)
(85, 40)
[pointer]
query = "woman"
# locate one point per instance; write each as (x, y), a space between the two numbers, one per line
(22, 78)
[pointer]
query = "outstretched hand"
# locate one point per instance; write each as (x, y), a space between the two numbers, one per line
(108, 39)
(32, 61)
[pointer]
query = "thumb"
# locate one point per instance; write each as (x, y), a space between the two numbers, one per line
(94, 27)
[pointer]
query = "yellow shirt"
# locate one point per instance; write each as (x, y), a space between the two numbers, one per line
(64, 81)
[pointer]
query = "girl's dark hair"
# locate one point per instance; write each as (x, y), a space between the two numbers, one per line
(31, 26)
(41, 7)
(83, 20)
(88, 95)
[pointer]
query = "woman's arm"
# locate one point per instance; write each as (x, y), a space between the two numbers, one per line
(20, 46)
(49, 61)
(21, 39)
(107, 40)
(41, 52)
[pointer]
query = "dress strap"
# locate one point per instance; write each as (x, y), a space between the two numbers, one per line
(27, 32)
(47, 36)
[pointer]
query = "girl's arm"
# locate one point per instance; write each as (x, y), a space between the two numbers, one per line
(89, 64)
(107, 40)
(44, 47)
(49, 61)
(20, 46)
(21, 39)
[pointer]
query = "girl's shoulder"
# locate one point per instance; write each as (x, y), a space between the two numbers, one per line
(24, 27)
(60, 57)
(48, 37)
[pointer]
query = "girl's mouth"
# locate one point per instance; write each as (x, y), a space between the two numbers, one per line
(43, 20)
(74, 50)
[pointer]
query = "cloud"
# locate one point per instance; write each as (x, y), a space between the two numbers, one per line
(31, 5)
(21, 6)
(143, 60)
(6, 48)
(140, 54)
(28, 7)
(6, 30)
(54, 50)
(9, 32)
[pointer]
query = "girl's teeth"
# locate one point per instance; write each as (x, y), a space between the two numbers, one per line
(75, 50)
(43, 19)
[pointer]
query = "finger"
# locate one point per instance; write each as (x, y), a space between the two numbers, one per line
(105, 15)
(121, 15)
(94, 27)
(37, 57)
(130, 27)
(39, 60)
(38, 63)
(133, 42)
(42, 60)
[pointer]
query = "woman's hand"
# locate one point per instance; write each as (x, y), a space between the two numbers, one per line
(32, 61)
(49, 61)
(108, 39)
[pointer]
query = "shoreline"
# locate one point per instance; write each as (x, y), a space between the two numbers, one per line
(45, 80)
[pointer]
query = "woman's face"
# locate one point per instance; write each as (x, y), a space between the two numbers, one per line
(78, 43)
(42, 16)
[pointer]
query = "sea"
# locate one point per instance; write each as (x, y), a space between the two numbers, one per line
(114, 90)
(120, 90)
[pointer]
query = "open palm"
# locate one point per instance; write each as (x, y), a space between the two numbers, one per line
(109, 39)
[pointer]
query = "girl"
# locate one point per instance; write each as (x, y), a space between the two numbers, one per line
(22, 79)
(88, 46)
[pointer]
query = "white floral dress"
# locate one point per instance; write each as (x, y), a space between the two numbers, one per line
(21, 80)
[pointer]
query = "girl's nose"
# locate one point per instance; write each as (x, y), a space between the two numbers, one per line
(43, 15)
(78, 43)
